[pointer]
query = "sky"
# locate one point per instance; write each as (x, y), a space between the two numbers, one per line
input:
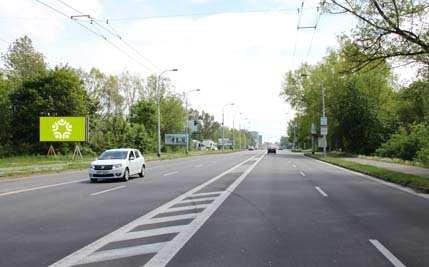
(231, 55)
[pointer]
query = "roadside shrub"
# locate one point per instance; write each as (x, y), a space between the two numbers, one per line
(407, 144)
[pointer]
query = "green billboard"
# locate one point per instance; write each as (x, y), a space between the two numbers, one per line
(63, 129)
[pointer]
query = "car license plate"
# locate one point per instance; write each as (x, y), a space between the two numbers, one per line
(101, 172)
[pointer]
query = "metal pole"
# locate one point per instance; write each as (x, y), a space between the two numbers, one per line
(323, 112)
(223, 130)
(233, 140)
(159, 115)
(187, 123)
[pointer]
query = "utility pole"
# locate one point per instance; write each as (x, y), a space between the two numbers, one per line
(324, 122)
(187, 117)
(158, 102)
(223, 124)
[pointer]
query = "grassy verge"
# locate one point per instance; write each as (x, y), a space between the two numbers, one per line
(26, 165)
(395, 160)
(418, 183)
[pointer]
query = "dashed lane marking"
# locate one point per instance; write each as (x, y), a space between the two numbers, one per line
(302, 173)
(108, 190)
(321, 191)
(39, 187)
(386, 253)
(170, 173)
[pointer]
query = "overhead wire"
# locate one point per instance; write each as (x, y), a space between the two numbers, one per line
(102, 36)
(109, 29)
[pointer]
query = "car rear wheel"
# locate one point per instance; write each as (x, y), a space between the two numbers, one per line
(141, 173)
(126, 176)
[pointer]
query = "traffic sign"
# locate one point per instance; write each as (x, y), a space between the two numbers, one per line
(323, 121)
(324, 130)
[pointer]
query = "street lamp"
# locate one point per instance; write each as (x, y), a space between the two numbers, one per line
(158, 99)
(223, 124)
(187, 116)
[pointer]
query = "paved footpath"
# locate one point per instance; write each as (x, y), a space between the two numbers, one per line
(392, 166)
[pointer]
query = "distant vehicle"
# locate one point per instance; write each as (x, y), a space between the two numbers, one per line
(272, 150)
(117, 163)
(251, 148)
(209, 145)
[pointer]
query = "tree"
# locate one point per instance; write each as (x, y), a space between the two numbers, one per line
(58, 92)
(413, 103)
(388, 29)
(5, 115)
(22, 61)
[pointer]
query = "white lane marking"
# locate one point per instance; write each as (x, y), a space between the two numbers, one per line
(173, 247)
(302, 173)
(119, 253)
(152, 232)
(405, 189)
(293, 165)
(117, 234)
(321, 191)
(39, 187)
(170, 173)
(206, 194)
(198, 166)
(198, 200)
(191, 207)
(395, 261)
(171, 218)
(108, 190)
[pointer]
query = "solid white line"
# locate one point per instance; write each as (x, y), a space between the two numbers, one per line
(39, 187)
(152, 232)
(321, 191)
(108, 190)
(171, 218)
(198, 200)
(170, 173)
(302, 173)
(119, 253)
(78, 255)
(191, 207)
(206, 194)
(395, 261)
(173, 247)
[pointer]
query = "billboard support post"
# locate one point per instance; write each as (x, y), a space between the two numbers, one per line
(51, 151)
(77, 151)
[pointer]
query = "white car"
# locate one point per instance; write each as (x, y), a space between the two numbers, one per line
(117, 163)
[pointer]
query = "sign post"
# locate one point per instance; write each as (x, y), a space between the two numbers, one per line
(324, 131)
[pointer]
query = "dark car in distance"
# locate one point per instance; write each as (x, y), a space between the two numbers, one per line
(272, 150)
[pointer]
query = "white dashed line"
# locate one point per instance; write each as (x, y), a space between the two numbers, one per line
(198, 166)
(108, 190)
(293, 165)
(321, 191)
(170, 173)
(395, 261)
(39, 187)
(302, 173)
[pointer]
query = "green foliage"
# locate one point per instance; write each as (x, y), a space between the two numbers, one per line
(407, 144)
(57, 92)
(22, 61)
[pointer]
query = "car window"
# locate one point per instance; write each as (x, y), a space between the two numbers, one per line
(113, 154)
(131, 154)
(136, 152)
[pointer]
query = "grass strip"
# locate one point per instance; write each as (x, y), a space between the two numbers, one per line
(418, 183)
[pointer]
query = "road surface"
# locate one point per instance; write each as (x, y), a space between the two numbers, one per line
(239, 209)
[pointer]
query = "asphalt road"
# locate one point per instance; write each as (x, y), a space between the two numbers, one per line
(240, 209)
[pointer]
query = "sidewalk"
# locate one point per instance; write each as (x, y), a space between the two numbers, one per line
(392, 166)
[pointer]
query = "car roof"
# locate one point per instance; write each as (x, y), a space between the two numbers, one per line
(121, 149)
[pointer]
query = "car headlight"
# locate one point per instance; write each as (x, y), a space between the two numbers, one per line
(115, 166)
(92, 167)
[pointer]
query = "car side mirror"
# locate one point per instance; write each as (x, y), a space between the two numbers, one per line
(132, 158)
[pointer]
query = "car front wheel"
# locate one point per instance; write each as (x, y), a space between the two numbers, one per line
(141, 173)
(94, 180)
(126, 176)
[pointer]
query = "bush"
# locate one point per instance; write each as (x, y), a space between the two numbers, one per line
(407, 144)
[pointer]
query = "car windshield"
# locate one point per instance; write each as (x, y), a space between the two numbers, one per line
(116, 154)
